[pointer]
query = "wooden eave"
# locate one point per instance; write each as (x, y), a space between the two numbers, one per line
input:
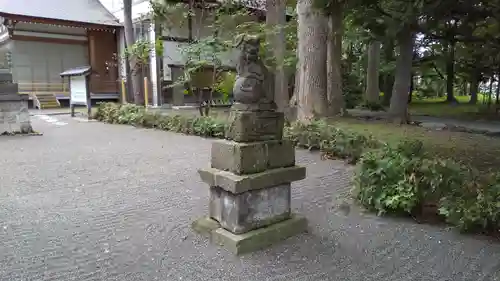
(21, 18)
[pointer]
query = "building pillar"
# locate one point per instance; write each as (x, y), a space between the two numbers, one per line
(153, 64)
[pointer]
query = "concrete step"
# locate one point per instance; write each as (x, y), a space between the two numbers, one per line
(46, 106)
(47, 100)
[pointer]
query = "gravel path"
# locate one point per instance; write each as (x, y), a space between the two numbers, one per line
(492, 127)
(90, 201)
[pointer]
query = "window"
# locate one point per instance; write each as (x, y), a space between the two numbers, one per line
(141, 30)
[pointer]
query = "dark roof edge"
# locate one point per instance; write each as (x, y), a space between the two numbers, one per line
(117, 25)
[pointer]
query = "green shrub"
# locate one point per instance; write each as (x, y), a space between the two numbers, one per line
(333, 142)
(475, 205)
(400, 180)
(138, 116)
(225, 84)
(307, 135)
(130, 114)
(107, 112)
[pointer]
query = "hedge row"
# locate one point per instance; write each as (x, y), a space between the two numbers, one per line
(389, 179)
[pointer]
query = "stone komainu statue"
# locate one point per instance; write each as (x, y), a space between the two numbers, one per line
(253, 83)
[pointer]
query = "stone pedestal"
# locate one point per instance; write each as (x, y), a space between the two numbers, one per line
(249, 183)
(14, 114)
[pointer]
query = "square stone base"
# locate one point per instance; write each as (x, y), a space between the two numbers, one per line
(240, 213)
(253, 240)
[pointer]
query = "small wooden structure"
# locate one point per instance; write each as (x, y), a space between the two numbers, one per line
(44, 38)
(79, 88)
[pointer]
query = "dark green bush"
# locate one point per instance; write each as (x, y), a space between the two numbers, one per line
(475, 205)
(333, 142)
(138, 116)
(107, 112)
(399, 179)
(130, 114)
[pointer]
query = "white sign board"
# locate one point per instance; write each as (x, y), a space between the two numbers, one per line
(167, 72)
(78, 90)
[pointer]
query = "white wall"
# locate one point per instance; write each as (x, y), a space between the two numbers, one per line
(40, 62)
(202, 27)
(202, 22)
(115, 5)
(139, 8)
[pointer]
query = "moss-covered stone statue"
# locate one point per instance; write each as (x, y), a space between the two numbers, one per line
(252, 169)
(254, 84)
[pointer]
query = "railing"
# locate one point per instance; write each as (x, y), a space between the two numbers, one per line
(43, 87)
(36, 102)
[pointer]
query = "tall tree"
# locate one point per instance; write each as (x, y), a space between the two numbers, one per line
(135, 79)
(388, 75)
(312, 55)
(276, 20)
(335, 95)
(372, 73)
(398, 109)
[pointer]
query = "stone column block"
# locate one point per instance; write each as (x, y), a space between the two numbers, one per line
(248, 158)
(5, 77)
(250, 181)
(242, 183)
(9, 88)
(243, 212)
(14, 114)
(251, 126)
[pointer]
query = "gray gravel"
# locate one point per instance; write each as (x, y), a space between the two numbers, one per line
(90, 201)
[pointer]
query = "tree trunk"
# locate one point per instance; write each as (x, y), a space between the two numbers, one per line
(372, 87)
(135, 81)
(490, 92)
(312, 57)
(474, 85)
(497, 90)
(412, 86)
(335, 96)
(389, 77)
(398, 109)
(275, 21)
(450, 72)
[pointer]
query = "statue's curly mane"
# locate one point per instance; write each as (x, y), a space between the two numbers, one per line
(252, 81)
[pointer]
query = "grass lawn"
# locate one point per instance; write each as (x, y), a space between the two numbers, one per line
(438, 107)
(474, 150)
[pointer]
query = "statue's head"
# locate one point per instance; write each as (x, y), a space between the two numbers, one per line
(250, 47)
